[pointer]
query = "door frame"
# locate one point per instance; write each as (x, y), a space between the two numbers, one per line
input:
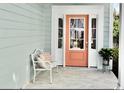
(62, 10)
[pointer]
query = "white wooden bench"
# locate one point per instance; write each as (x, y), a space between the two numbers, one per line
(51, 64)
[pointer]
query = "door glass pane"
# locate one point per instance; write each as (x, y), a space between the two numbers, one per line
(72, 23)
(72, 34)
(81, 23)
(77, 23)
(81, 34)
(76, 33)
(81, 44)
(72, 43)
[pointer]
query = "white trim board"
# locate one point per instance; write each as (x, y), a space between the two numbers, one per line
(91, 10)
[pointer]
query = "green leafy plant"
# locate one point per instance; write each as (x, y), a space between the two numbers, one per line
(115, 54)
(106, 53)
(116, 27)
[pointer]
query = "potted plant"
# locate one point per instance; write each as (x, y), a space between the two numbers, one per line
(106, 53)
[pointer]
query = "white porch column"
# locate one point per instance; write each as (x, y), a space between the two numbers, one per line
(121, 48)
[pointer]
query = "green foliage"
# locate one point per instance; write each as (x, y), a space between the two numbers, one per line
(106, 53)
(116, 26)
(116, 29)
(115, 54)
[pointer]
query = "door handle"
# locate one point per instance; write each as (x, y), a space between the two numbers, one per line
(86, 44)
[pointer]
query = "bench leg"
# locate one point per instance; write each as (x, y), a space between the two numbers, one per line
(34, 76)
(51, 76)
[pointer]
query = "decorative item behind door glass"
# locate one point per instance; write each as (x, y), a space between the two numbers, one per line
(60, 33)
(93, 37)
(76, 33)
(93, 45)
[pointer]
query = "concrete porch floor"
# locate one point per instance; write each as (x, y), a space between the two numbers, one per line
(75, 78)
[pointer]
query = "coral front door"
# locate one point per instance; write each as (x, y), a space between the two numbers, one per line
(76, 51)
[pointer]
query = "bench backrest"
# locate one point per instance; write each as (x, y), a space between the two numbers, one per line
(34, 55)
(33, 58)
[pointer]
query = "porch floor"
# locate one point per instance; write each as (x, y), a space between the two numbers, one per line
(75, 78)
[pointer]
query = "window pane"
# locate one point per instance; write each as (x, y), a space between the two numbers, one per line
(93, 37)
(93, 33)
(60, 22)
(60, 33)
(94, 23)
(93, 44)
(59, 43)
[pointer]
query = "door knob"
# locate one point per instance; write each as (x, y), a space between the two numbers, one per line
(86, 44)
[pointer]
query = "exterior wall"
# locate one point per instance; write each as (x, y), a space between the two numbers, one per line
(23, 28)
(106, 25)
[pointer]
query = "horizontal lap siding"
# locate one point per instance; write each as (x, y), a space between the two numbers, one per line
(106, 25)
(23, 27)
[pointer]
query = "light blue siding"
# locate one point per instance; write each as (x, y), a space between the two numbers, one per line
(106, 25)
(23, 27)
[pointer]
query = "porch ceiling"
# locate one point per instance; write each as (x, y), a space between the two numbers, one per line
(75, 78)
